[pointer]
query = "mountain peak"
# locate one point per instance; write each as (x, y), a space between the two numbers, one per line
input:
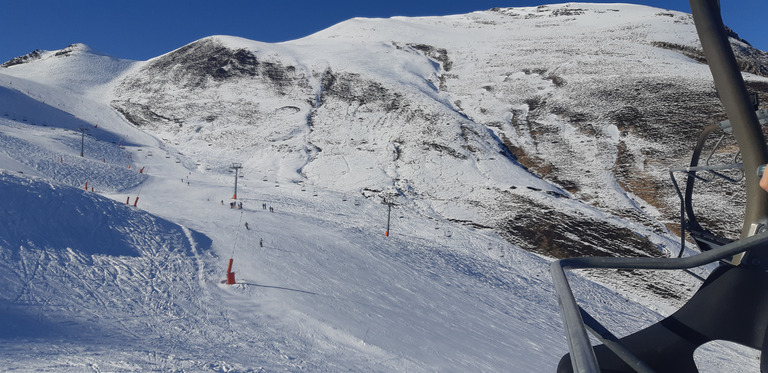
(75, 48)
(39, 54)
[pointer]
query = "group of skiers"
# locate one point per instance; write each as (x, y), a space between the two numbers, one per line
(239, 206)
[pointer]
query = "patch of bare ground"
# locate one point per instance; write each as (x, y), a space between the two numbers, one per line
(559, 234)
(547, 231)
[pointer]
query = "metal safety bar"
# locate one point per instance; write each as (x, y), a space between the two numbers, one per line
(691, 171)
(582, 354)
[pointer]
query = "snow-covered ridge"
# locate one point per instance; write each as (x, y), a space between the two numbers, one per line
(77, 68)
(469, 87)
(77, 49)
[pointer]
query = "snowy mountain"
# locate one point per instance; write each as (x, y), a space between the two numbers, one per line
(503, 138)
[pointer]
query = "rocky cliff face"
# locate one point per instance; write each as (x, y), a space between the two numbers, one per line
(188, 86)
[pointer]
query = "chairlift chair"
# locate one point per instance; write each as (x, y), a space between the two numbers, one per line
(732, 303)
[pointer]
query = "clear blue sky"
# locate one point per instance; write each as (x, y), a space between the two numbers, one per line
(142, 29)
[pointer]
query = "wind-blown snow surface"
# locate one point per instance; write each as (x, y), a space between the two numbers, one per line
(96, 284)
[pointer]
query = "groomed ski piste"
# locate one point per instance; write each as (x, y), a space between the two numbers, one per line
(127, 273)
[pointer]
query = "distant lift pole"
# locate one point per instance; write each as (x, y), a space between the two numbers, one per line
(236, 167)
(389, 214)
(82, 138)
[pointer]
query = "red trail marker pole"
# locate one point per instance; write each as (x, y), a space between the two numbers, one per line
(230, 274)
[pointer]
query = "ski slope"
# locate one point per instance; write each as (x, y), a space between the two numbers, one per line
(97, 284)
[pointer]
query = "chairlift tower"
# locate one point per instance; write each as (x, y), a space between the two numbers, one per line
(389, 214)
(389, 201)
(236, 167)
(82, 138)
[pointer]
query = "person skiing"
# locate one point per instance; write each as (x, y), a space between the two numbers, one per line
(246, 226)
(261, 242)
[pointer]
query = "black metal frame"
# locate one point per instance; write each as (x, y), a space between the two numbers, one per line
(635, 358)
